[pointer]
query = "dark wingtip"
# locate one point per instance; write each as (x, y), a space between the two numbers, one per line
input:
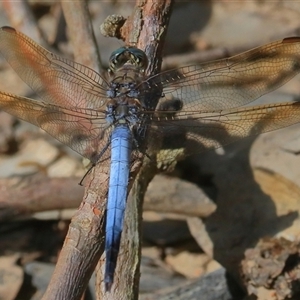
(294, 39)
(7, 28)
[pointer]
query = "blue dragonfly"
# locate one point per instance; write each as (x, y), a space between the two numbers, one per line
(111, 118)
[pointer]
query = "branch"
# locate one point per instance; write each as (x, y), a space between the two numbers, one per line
(38, 193)
(24, 196)
(81, 33)
(146, 29)
(82, 248)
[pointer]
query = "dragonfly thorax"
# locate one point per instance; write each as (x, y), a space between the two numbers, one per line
(122, 89)
(126, 110)
(125, 82)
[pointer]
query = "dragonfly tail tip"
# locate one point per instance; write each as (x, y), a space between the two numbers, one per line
(108, 286)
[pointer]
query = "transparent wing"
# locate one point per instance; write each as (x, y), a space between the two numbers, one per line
(56, 80)
(231, 82)
(212, 129)
(83, 130)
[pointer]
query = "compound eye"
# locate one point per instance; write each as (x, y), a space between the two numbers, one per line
(125, 55)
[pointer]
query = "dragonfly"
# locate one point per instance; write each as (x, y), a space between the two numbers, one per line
(110, 118)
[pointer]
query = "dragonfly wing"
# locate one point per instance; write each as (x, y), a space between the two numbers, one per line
(83, 130)
(55, 79)
(194, 132)
(231, 82)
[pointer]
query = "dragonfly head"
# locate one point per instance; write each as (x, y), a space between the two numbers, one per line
(127, 55)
